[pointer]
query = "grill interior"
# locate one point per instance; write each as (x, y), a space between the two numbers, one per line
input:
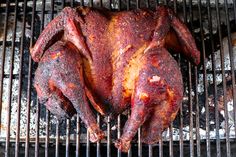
(205, 125)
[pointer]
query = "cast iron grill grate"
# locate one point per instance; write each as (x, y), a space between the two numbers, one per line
(205, 125)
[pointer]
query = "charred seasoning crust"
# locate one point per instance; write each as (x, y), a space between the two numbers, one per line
(115, 61)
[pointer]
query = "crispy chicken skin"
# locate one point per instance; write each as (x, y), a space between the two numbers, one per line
(115, 61)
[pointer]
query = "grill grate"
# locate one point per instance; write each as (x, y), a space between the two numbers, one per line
(200, 129)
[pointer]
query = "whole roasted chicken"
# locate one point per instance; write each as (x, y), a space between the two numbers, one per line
(114, 61)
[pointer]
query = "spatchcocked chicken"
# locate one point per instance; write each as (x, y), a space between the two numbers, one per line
(114, 61)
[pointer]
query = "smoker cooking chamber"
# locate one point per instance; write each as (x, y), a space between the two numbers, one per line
(203, 126)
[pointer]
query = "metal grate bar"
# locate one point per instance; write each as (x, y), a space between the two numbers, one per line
(218, 145)
(63, 3)
(38, 105)
(3, 57)
(139, 129)
(57, 138)
(48, 112)
(72, 3)
(37, 119)
(197, 114)
(196, 96)
(205, 80)
(98, 142)
(87, 145)
(108, 136)
(231, 55)
(10, 81)
(58, 123)
(109, 6)
(88, 142)
(189, 92)
(171, 153)
(68, 120)
(191, 99)
(147, 3)
(47, 139)
(82, 2)
(137, 4)
(119, 5)
(190, 110)
(150, 151)
(91, 3)
(160, 147)
(130, 149)
(150, 148)
(180, 115)
(118, 134)
(29, 83)
(214, 78)
(47, 133)
(100, 3)
(161, 137)
(225, 103)
(223, 69)
(181, 143)
(140, 149)
(68, 137)
(20, 83)
(77, 132)
(128, 4)
(77, 136)
(175, 6)
(233, 80)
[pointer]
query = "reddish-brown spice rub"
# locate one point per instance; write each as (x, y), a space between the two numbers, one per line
(115, 61)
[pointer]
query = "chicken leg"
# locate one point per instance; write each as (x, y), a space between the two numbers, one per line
(59, 83)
